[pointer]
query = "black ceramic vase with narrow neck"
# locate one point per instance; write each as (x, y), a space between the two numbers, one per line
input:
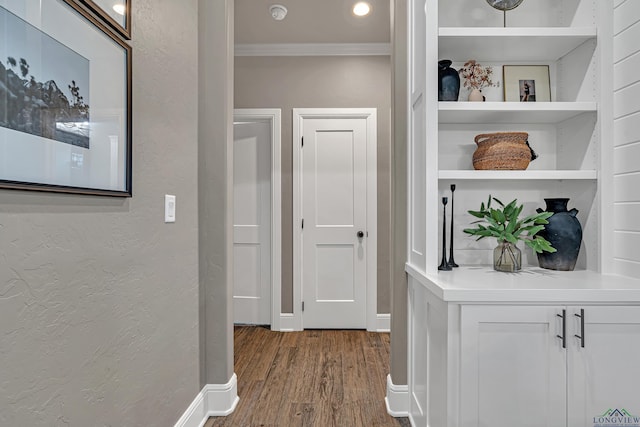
(448, 81)
(564, 232)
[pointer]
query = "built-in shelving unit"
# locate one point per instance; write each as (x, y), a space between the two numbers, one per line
(566, 133)
(470, 330)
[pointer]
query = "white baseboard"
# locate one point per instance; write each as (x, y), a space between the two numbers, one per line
(215, 400)
(288, 322)
(397, 399)
(383, 322)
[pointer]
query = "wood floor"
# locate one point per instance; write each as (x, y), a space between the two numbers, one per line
(315, 378)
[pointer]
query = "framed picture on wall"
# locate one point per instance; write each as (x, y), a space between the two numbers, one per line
(526, 83)
(116, 13)
(65, 117)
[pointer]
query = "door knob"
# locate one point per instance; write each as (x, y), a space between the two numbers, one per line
(360, 234)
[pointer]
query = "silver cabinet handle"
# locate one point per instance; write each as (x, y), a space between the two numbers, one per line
(563, 337)
(581, 336)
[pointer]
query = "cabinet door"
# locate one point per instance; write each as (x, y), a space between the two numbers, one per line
(603, 376)
(513, 367)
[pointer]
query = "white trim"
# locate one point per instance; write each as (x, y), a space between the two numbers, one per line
(313, 49)
(370, 114)
(397, 400)
(288, 323)
(215, 400)
(383, 322)
(274, 117)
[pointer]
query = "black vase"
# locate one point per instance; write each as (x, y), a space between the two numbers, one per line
(448, 81)
(564, 232)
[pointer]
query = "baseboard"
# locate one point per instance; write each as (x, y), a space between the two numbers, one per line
(215, 400)
(383, 322)
(287, 322)
(397, 399)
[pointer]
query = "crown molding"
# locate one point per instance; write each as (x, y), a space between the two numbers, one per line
(313, 49)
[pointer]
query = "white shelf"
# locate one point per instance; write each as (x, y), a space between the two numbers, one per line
(518, 175)
(511, 44)
(511, 112)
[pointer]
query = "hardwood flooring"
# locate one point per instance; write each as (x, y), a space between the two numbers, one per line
(314, 378)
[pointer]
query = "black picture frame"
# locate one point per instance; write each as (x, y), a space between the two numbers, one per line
(101, 8)
(72, 133)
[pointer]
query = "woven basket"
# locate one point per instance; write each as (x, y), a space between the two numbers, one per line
(502, 151)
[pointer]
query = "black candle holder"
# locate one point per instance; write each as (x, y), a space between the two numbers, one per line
(444, 265)
(451, 262)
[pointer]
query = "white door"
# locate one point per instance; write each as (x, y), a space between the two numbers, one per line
(512, 367)
(334, 222)
(252, 222)
(604, 375)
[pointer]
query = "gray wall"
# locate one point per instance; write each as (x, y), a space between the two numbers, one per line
(98, 296)
(215, 143)
(322, 82)
(399, 190)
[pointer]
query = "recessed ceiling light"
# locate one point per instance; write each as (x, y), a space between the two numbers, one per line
(119, 8)
(361, 8)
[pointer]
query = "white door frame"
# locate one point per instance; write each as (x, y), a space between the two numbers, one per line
(273, 116)
(299, 114)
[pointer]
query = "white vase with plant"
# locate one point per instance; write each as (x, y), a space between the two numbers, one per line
(476, 77)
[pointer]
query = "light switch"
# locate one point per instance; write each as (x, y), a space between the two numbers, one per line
(169, 208)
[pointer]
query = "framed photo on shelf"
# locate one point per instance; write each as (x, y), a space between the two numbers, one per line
(526, 83)
(65, 118)
(116, 13)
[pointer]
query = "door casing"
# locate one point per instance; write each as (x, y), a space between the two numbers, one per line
(273, 116)
(370, 114)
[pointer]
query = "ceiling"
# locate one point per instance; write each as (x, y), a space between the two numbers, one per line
(311, 21)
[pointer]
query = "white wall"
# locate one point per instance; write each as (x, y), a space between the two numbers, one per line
(626, 56)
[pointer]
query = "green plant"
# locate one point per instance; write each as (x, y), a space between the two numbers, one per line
(504, 225)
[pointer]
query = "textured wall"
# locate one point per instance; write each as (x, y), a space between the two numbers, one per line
(215, 178)
(626, 170)
(322, 82)
(98, 296)
(399, 196)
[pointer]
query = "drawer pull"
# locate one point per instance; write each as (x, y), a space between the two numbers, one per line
(563, 337)
(581, 336)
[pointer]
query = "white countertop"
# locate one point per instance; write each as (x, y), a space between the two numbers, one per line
(532, 284)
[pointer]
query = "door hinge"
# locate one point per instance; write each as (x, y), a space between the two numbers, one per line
(302, 305)
(303, 223)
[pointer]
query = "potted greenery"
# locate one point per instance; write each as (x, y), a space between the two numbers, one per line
(504, 225)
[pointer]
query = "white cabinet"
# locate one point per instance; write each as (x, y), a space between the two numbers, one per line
(527, 364)
(604, 375)
(512, 367)
(509, 352)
